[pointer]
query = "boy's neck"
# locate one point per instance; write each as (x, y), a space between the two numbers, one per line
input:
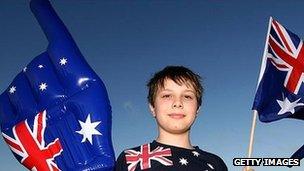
(178, 140)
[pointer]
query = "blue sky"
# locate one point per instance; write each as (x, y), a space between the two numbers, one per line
(125, 42)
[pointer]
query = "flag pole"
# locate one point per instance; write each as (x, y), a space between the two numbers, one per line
(255, 112)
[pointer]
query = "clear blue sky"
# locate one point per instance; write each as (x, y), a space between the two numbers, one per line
(127, 41)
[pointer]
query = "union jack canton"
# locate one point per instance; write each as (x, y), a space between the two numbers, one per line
(145, 155)
(30, 145)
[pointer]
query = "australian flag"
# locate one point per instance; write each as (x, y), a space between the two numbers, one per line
(280, 91)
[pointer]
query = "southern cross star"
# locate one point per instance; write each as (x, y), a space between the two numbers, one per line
(195, 153)
(88, 129)
(287, 106)
(12, 89)
(183, 161)
(63, 61)
(210, 166)
(42, 86)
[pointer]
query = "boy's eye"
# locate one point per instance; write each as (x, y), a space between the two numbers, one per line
(166, 96)
(188, 97)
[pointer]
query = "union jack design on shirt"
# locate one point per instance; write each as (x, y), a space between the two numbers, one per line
(144, 157)
(30, 145)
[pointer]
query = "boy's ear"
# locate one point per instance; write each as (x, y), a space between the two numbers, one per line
(152, 110)
(197, 111)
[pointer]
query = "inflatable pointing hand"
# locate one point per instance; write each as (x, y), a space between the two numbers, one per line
(56, 114)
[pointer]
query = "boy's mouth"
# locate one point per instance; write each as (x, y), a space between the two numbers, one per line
(176, 115)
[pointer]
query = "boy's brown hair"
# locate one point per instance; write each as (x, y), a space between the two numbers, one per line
(180, 75)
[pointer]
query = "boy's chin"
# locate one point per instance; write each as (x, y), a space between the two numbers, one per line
(178, 130)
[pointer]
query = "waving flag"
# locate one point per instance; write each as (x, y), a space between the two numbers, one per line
(56, 114)
(280, 91)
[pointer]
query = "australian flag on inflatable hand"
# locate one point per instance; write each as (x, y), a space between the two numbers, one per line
(280, 91)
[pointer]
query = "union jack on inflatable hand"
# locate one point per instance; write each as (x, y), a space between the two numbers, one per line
(56, 114)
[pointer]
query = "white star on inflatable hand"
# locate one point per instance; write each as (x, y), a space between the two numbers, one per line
(183, 161)
(42, 86)
(12, 89)
(40, 66)
(88, 129)
(287, 106)
(63, 61)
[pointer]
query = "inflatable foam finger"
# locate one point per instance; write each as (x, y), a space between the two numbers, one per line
(62, 49)
(56, 114)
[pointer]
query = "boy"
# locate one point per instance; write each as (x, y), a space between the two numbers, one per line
(175, 95)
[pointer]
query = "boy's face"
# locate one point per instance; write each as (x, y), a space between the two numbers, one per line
(175, 107)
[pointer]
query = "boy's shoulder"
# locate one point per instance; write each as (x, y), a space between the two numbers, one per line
(139, 147)
(206, 154)
(212, 158)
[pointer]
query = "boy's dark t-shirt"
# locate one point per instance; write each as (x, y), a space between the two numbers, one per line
(160, 157)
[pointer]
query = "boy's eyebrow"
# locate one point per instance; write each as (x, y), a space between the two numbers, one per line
(161, 90)
(190, 91)
(187, 90)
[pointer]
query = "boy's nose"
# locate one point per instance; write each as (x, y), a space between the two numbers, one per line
(177, 104)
